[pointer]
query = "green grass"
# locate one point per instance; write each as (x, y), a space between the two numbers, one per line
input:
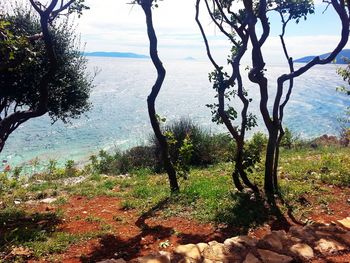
(207, 195)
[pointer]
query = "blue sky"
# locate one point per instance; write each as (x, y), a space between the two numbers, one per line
(113, 25)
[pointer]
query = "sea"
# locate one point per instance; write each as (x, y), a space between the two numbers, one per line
(119, 120)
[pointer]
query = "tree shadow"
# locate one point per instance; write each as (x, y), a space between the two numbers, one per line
(243, 213)
(250, 211)
(18, 227)
(113, 246)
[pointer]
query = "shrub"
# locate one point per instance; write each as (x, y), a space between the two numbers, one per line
(288, 139)
(205, 148)
(253, 150)
(121, 163)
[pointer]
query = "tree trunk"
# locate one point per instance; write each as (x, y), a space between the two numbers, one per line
(269, 184)
(174, 187)
(275, 168)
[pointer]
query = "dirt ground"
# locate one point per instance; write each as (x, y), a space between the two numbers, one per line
(132, 235)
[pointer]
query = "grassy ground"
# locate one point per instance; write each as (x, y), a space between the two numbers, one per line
(307, 177)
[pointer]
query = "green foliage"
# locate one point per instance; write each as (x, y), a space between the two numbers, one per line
(288, 139)
(345, 121)
(253, 150)
(120, 163)
(293, 9)
(190, 143)
(69, 88)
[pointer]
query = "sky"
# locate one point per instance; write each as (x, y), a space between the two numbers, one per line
(115, 25)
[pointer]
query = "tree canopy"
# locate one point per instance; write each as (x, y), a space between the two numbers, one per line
(27, 69)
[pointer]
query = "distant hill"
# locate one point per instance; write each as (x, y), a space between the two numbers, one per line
(114, 55)
(190, 58)
(339, 59)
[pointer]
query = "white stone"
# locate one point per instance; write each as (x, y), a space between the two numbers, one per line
(344, 223)
(189, 251)
(48, 200)
(240, 241)
(302, 250)
(328, 246)
(202, 246)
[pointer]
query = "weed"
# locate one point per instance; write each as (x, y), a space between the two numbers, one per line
(128, 205)
(93, 219)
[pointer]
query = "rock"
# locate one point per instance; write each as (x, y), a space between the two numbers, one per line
(17, 202)
(165, 254)
(302, 250)
(73, 180)
(156, 258)
(188, 260)
(268, 256)
(272, 241)
(202, 246)
(303, 233)
(344, 223)
(120, 260)
(217, 252)
(48, 200)
(189, 251)
(250, 258)
(21, 251)
(326, 246)
(281, 234)
(344, 237)
(233, 243)
(240, 241)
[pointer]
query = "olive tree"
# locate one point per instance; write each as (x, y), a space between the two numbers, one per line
(252, 17)
(228, 86)
(41, 70)
(147, 6)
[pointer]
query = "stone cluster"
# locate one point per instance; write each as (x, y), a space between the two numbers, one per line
(299, 244)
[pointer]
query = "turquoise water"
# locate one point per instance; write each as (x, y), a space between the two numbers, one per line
(119, 116)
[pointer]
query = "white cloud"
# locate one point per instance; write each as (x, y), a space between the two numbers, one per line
(114, 25)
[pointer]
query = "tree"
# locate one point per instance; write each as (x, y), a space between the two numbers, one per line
(42, 71)
(147, 6)
(231, 85)
(345, 129)
(247, 18)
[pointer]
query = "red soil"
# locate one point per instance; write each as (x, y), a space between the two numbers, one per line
(132, 235)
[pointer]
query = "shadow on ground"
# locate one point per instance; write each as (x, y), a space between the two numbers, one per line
(245, 212)
(18, 227)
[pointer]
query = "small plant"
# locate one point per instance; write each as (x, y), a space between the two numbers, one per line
(93, 219)
(70, 170)
(61, 201)
(288, 139)
(164, 244)
(128, 205)
(185, 155)
(17, 172)
(119, 219)
(52, 167)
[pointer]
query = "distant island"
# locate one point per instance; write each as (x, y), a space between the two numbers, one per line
(190, 58)
(114, 54)
(338, 60)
